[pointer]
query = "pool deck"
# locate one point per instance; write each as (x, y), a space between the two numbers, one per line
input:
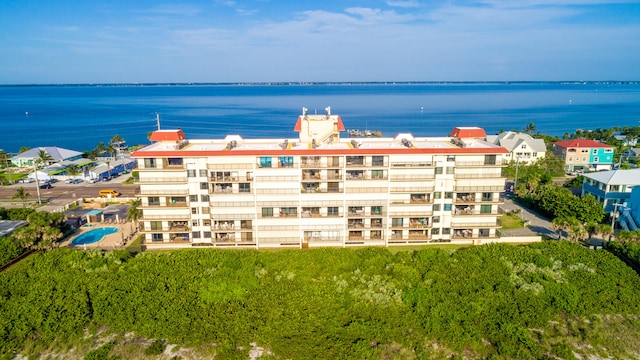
(117, 240)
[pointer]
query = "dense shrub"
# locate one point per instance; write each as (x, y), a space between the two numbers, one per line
(324, 304)
(156, 348)
(9, 250)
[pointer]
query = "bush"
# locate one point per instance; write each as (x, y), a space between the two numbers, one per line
(156, 348)
(101, 353)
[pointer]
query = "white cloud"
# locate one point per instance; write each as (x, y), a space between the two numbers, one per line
(403, 4)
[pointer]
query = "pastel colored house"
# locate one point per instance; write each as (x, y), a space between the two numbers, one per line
(611, 188)
(583, 154)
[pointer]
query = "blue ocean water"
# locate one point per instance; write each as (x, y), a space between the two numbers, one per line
(79, 116)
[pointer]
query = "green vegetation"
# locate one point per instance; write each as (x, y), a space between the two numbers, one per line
(511, 220)
(9, 250)
(543, 300)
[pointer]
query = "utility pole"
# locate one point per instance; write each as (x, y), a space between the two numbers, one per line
(515, 182)
(614, 214)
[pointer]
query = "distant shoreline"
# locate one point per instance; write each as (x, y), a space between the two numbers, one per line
(325, 83)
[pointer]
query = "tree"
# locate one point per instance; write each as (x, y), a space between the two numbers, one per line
(43, 232)
(530, 128)
(604, 230)
(43, 158)
(21, 194)
(133, 213)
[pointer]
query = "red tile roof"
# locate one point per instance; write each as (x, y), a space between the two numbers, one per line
(468, 132)
(581, 143)
(167, 135)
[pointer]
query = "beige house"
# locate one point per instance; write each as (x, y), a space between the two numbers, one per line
(522, 147)
(320, 190)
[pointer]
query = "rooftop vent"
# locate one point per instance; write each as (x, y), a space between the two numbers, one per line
(232, 144)
(285, 144)
(355, 144)
(314, 145)
(407, 143)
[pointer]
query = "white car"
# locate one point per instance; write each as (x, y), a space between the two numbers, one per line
(92, 181)
(27, 180)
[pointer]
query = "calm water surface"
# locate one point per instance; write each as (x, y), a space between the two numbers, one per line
(78, 117)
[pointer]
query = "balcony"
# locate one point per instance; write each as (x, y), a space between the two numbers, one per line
(162, 180)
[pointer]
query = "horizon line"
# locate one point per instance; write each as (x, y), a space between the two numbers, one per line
(298, 83)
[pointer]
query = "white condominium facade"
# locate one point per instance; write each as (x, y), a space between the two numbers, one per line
(319, 190)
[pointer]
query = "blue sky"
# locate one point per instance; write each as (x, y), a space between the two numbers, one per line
(115, 41)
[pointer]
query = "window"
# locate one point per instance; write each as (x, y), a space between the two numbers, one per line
(267, 212)
(156, 237)
(191, 173)
(149, 163)
(438, 170)
(489, 159)
(154, 200)
(396, 222)
(285, 161)
(376, 210)
(435, 231)
(174, 162)
(203, 173)
(195, 234)
(608, 151)
(451, 158)
(436, 219)
(203, 186)
(289, 211)
(204, 210)
(523, 146)
(483, 232)
(487, 196)
(450, 170)
(595, 159)
(265, 161)
(332, 211)
(355, 160)
(448, 195)
(377, 174)
(194, 222)
(485, 209)
(436, 207)
(194, 211)
(204, 198)
(446, 231)
(377, 160)
(437, 195)
(614, 188)
(206, 222)
(155, 225)
(193, 198)
(570, 158)
(595, 152)
(447, 207)
(206, 234)
(245, 187)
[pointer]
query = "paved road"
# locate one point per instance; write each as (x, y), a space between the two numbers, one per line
(66, 192)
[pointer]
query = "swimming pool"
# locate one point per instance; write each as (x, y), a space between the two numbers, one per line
(93, 236)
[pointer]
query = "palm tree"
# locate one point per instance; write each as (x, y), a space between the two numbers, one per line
(43, 158)
(133, 213)
(604, 230)
(559, 224)
(530, 128)
(592, 229)
(21, 194)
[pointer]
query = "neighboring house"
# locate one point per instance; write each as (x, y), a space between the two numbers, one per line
(626, 141)
(611, 188)
(522, 147)
(631, 154)
(57, 155)
(629, 218)
(584, 154)
(319, 190)
(111, 168)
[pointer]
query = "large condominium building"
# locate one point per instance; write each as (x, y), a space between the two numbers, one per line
(319, 190)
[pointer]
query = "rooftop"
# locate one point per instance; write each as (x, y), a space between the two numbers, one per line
(616, 177)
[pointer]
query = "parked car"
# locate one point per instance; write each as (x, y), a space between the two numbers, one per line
(92, 181)
(76, 181)
(46, 186)
(26, 180)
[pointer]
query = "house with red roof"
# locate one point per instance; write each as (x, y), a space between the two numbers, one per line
(583, 154)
